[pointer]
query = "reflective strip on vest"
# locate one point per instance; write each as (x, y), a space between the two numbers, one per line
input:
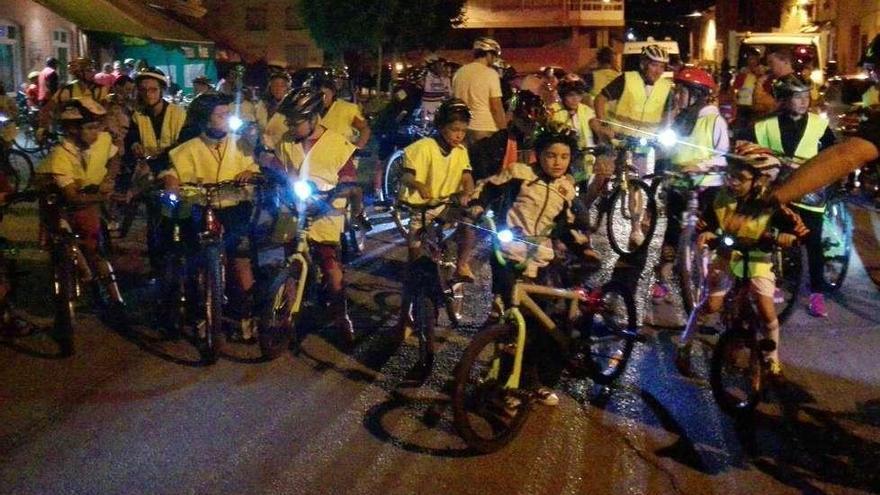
(172, 123)
(759, 264)
(871, 97)
(637, 107)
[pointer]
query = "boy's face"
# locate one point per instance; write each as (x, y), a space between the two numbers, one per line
(220, 119)
(572, 100)
(799, 103)
(555, 159)
(301, 129)
(454, 132)
(328, 95)
(278, 88)
(740, 182)
(86, 134)
(778, 65)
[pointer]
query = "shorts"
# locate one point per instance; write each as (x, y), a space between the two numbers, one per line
(721, 281)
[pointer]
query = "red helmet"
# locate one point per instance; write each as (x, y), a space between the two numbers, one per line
(695, 77)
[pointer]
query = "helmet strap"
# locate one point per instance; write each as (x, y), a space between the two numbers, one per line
(215, 134)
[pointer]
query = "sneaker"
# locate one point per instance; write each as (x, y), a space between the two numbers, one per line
(659, 291)
(683, 361)
(547, 396)
(464, 274)
(778, 296)
(817, 305)
(636, 238)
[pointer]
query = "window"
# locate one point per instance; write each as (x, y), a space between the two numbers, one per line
(256, 19)
(292, 21)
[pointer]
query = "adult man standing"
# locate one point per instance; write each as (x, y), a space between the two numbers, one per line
(479, 86)
(437, 87)
(603, 74)
(744, 86)
(779, 62)
(47, 81)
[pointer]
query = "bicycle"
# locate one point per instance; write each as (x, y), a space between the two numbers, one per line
(282, 302)
(837, 239)
(208, 265)
(624, 198)
(431, 282)
(738, 371)
(16, 164)
(490, 395)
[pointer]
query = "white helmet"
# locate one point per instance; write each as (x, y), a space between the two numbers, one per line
(487, 44)
(656, 53)
(432, 58)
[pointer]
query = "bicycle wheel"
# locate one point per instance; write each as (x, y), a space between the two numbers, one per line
(211, 282)
(837, 233)
(26, 140)
(788, 268)
(735, 372)
(23, 168)
(632, 218)
(173, 298)
(65, 297)
(611, 333)
(424, 313)
(393, 174)
(279, 313)
(486, 413)
(690, 269)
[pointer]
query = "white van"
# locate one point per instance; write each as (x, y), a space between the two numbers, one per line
(812, 45)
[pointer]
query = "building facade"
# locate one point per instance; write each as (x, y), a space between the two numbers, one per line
(30, 33)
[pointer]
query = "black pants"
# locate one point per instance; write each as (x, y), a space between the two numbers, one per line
(815, 259)
(676, 204)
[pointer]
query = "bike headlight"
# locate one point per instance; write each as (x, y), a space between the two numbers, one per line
(171, 198)
(505, 235)
(302, 189)
(667, 138)
(728, 241)
(643, 141)
(3, 118)
(235, 123)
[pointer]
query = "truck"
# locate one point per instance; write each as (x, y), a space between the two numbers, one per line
(813, 46)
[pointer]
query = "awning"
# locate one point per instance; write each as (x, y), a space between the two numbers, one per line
(126, 17)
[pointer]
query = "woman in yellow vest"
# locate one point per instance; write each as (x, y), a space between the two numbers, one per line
(801, 134)
(746, 181)
(346, 118)
(83, 167)
(703, 143)
(213, 157)
(312, 152)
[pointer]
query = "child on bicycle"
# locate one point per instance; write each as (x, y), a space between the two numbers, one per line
(537, 202)
(747, 178)
(704, 143)
(437, 168)
(576, 115)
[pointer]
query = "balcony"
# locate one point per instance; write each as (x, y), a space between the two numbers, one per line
(542, 13)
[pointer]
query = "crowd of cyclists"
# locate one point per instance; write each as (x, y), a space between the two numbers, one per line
(537, 160)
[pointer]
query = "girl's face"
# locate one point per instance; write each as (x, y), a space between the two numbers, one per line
(454, 132)
(555, 159)
(572, 100)
(740, 182)
(799, 103)
(682, 97)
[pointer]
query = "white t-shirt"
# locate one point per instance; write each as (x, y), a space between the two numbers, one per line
(476, 83)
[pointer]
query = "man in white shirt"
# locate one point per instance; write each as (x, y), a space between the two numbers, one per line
(479, 86)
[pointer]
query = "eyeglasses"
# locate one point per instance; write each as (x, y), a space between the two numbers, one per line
(737, 180)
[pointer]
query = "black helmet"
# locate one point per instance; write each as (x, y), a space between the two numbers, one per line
(786, 86)
(528, 106)
(302, 104)
(571, 85)
(552, 133)
(451, 110)
(202, 106)
(872, 52)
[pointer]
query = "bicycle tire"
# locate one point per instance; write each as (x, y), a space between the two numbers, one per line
(727, 357)
(488, 406)
(26, 140)
(836, 245)
(610, 340)
(425, 323)
(23, 168)
(618, 222)
(211, 280)
(278, 320)
(65, 298)
(173, 296)
(788, 268)
(393, 173)
(690, 277)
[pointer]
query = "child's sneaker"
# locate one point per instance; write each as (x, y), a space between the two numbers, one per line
(547, 396)
(778, 296)
(659, 291)
(817, 305)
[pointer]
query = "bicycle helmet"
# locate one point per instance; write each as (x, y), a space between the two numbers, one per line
(451, 110)
(528, 106)
(202, 106)
(757, 159)
(80, 65)
(202, 80)
(695, 78)
(433, 58)
(151, 73)
(302, 104)
(656, 53)
(33, 74)
(787, 86)
(571, 84)
(487, 44)
(552, 133)
(81, 110)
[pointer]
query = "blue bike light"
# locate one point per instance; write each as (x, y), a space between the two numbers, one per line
(171, 198)
(235, 123)
(302, 189)
(667, 138)
(643, 141)
(727, 241)
(505, 235)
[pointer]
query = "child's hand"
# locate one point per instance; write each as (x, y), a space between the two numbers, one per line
(423, 190)
(786, 240)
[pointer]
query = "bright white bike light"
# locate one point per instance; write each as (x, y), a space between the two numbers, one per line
(235, 123)
(302, 189)
(667, 138)
(3, 118)
(727, 241)
(505, 235)
(643, 141)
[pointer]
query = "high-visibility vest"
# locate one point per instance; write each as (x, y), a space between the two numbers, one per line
(340, 117)
(85, 168)
(601, 78)
(745, 93)
(172, 123)
(638, 108)
(760, 263)
(699, 145)
(871, 97)
(580, 122)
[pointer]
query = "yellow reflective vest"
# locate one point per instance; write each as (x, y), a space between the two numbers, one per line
(760, 264)
(637, 107)
(579, 121)
(700, 144)
(746, 93)
(871, 97)
(601, 78)
(172, 123)
(70, 165)
(340, 117)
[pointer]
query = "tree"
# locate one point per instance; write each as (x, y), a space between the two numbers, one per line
(338, 26)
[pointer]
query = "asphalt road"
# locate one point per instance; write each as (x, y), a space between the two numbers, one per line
(137, 414)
